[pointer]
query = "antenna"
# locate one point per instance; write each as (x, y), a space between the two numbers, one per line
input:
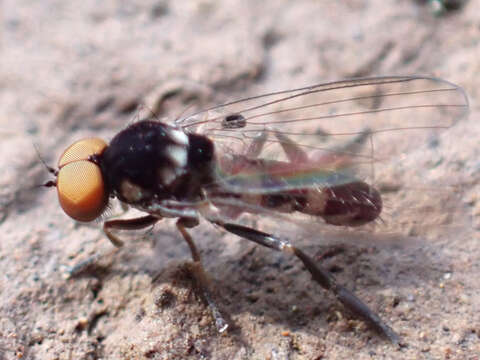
(49, 168)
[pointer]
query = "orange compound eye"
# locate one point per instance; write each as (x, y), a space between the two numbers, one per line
(81, 190)
(82, 150)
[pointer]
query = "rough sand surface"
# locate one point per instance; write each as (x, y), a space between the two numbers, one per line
(70, 69)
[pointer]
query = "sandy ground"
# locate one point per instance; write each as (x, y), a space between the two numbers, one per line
(74, 69)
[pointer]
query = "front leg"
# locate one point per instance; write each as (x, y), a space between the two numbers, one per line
(108, 226)
(127, 224)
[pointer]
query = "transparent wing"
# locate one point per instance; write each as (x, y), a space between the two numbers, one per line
(348, 126)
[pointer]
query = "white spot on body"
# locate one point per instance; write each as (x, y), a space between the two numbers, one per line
(178, 155)
(178, 136)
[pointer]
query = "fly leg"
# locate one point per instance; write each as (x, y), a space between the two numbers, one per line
(334, 157)
(255, 147)
(201, 277)
(320, 275)
(354, 145)
(108, 226)
(295, 153)
(127, 224)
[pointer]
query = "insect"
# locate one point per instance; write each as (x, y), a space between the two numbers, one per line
(311, 151)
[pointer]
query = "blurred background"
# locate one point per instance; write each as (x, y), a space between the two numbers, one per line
(75, 69)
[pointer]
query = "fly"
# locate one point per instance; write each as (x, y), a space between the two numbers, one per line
(310, 151)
